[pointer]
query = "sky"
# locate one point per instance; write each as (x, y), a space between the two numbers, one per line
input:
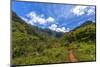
(57, 17)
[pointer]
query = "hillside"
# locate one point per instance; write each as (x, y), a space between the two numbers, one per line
(29, 41)
(32, 29)
(84, 32)
(82, 41)
(34, 45)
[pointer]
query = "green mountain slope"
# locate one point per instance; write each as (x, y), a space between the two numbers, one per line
(82, 40)
(23, 27)
(85, 32)
(33, 45)
(25, 35)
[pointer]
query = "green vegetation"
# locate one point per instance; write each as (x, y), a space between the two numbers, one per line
(85, 51)
(33, 45)
(82, 41)
(53, 55)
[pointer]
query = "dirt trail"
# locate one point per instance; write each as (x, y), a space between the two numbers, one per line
(72, 57)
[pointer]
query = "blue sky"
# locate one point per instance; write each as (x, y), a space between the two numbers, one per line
(57, 17)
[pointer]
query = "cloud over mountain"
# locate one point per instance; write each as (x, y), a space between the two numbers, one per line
(81, 10)
(58, 17)
(58, 29)
(34, 18)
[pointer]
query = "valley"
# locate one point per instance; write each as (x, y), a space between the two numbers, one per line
(34, 45)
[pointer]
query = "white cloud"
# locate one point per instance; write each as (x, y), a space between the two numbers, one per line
(58, 29)
(53, 27)
(35, 18)
(50, 19)
(91, 11)
(68, 29)
(62, 29)
(80, 10)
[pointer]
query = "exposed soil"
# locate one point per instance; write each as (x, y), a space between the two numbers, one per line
(72, 57)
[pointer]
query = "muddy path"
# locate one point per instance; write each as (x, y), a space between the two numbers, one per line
(71, 56)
